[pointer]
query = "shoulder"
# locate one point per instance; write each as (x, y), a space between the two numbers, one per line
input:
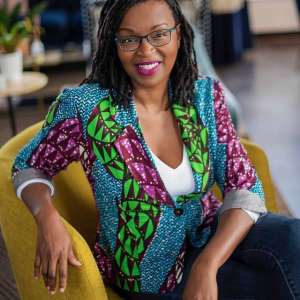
(205, 84)
(204, 90)
(83, 94)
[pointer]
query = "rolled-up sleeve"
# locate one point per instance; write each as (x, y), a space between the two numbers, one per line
(234, 172)
(53, 148)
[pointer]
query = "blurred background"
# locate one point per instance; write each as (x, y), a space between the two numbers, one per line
(252, 46)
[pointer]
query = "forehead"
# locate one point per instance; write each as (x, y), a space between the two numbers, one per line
(145, 15)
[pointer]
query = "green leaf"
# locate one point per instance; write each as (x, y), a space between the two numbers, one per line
(204, 136)
(121, 234)
(135, 270)
(133, 204)
(143, 218)
(205, 181)
(118, 256)
(197, 167)
(118, 174)
(149, 229)
(91, 129)
(127, 245)
(141, 246)
(127, 186)
(205, 158)
(125, 266)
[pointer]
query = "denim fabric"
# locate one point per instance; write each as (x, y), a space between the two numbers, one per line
(266, 264)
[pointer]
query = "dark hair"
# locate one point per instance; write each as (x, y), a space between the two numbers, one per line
(107, 69)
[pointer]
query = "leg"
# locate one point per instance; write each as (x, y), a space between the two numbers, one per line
(264, 266)
(273, 246)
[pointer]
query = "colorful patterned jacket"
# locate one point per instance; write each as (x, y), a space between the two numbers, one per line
(143, 230)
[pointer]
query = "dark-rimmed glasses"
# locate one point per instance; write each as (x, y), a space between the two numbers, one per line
(156, 38)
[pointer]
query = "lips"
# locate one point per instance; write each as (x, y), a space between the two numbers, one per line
(148, 68)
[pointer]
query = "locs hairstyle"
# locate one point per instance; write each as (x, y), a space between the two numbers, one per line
(107, 69)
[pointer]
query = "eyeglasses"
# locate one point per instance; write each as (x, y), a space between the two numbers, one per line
(155, 38)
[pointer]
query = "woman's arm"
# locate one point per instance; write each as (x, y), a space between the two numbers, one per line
(54, 246)
(52, 149)
(234, 225)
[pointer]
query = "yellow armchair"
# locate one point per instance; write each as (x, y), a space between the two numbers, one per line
(75, 204)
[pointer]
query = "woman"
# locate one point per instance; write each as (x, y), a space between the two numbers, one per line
(152, 139)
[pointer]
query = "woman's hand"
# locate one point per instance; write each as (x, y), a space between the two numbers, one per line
(201, 283)
(54, 250)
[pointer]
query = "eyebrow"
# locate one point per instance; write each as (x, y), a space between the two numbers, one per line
(132, 30)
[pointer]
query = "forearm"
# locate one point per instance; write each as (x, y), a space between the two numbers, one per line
(233, 227)
(37, 198)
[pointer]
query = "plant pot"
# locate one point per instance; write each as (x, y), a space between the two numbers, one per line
(11, 65)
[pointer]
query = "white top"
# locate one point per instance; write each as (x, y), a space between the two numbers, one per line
(180, 181)
(170, 176)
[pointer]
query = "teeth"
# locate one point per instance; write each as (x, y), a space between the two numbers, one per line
(148, 67)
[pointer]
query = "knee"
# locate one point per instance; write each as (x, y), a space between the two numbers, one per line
(291, 233)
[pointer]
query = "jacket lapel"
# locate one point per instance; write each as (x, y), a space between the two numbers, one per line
(119, 131)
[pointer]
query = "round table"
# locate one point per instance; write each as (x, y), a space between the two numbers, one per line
(29, 83)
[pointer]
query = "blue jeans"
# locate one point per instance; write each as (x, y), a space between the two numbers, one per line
(265, 265)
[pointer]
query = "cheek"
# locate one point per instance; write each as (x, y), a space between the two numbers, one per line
(171, 54)
(124, 58)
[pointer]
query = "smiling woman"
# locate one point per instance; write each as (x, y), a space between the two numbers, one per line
(153, 138)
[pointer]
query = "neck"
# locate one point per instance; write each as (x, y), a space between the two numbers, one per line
(152, 100)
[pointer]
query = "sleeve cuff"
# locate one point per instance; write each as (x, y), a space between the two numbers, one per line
(243, 199)
(253, 215)
(31, 181)
(26, 177)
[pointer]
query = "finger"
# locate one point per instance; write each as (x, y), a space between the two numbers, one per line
(45, 270)
(51, 276)
(63, 272)
(37, 266)
(73, 260)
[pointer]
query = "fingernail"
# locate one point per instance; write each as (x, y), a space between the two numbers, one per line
(61, 290)
(52, 292)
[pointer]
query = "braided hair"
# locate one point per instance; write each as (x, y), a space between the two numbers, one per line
(184, 72)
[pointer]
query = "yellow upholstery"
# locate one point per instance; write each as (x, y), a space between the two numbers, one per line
(76, 205)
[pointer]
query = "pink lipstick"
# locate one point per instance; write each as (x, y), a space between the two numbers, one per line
(148, 68)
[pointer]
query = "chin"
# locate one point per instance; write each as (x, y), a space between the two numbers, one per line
(149, 82)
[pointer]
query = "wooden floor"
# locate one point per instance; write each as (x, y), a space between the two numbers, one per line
(266, 82)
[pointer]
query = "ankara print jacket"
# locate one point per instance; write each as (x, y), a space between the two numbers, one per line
(143, 230)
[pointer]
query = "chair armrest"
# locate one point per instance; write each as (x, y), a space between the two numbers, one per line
(84, 282)
(19, 232)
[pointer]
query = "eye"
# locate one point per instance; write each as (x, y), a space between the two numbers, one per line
(128, 39)
(159, 34)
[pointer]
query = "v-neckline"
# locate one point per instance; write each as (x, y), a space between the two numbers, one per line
(189, 123)
(166, 165)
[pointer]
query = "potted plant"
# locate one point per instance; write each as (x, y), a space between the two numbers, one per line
(14, 28)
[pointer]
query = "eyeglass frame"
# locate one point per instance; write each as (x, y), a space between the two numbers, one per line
(141, 37)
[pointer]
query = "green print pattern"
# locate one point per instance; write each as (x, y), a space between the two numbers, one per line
(195, 138)
(138, 214)
(51, 111)
(103, 131)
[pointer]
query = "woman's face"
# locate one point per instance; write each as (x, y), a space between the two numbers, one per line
(149, 66)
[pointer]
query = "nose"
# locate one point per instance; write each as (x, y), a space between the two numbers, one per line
(145, 47)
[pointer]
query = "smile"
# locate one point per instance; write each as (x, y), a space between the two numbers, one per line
(147, 69)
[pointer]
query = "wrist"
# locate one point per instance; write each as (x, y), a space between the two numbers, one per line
(206, 263)
(45, 212)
